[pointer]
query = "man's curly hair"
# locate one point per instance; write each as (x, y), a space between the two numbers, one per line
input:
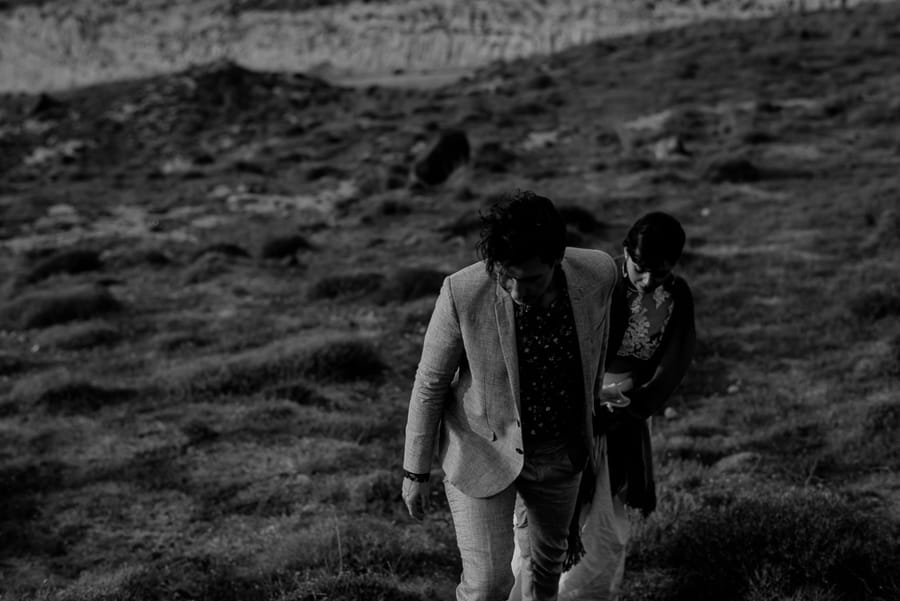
(520, 227)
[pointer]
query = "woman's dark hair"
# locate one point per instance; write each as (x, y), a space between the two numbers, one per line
(655, 239)
(520, 227)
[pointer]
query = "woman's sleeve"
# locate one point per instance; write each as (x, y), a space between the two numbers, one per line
(675, 357)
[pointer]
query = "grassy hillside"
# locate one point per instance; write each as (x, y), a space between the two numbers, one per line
(215, 285)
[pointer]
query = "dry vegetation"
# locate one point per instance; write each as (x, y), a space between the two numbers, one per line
(216, 285)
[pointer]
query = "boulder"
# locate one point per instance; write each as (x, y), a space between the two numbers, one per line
(449, 152)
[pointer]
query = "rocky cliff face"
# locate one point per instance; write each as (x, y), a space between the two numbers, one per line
(52, 45)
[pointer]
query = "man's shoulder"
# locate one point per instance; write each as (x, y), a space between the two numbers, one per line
(470, 273)
(469, 281)
(590, 258)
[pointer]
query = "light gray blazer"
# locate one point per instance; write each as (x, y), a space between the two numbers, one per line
(466, 391)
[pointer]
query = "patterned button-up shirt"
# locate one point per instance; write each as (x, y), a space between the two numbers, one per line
(550, 375)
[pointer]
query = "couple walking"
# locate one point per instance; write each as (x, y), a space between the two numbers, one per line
(540, 368)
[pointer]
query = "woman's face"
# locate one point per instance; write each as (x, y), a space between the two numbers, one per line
(646, 277)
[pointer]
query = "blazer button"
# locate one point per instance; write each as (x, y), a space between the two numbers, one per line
(520, 451)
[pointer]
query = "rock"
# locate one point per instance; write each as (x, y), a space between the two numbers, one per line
(447, 154)
(47, 106)
(538, 140)
(732, 169)
(671, 149)
(739, 462)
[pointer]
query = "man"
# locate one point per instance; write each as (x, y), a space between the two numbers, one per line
(504, 393)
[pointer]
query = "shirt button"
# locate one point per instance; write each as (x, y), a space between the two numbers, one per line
(520, 451)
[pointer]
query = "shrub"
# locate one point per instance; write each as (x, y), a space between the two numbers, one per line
(875, 303)
(256, 370)
(343, 360)
(493, 157)
(43, 309)
(226, 249)
(60, 392)
(78, 336)
(464, 225)
(205, 268)
(351, 587)
(345, 285)
(886, 234)
(19, 510)
(732, 169)
(281, 247)
(299, 392)
(198, 578)
(11, 363)
(812, 539)
(393, 208)
(700, 262)
(67, 261)
(409, 284)
(875, 445)
(581, 219)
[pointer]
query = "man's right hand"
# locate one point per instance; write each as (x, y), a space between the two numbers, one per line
(416, 495)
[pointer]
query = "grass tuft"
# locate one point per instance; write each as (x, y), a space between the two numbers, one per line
(733, 169)
(281, 247)
(198, 578)
(66, 261)
(225, 249)
(464, 225)
(409, 284)
(345, 285)
(13, 363)
(78, 336)
(43, 309)
(886, 234)
(264, 369)
(207, 267)
(718, 550)
(352, 587)
(59, 392)
(875, 304)
(299, 392)
(581, 219)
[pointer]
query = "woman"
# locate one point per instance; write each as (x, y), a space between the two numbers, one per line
(651, 343)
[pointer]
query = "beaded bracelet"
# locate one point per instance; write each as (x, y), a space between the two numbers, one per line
(417, 477)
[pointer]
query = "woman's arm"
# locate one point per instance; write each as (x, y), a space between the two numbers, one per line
(673, 357)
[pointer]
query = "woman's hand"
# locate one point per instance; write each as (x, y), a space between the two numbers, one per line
(613, 398)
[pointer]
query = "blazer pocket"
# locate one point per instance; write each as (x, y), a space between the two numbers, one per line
(472, 409)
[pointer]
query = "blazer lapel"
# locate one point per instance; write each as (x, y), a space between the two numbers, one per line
(506, 328)
(585, 325)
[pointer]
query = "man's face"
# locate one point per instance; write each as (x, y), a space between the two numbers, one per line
(528, 282)
(646, 277)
